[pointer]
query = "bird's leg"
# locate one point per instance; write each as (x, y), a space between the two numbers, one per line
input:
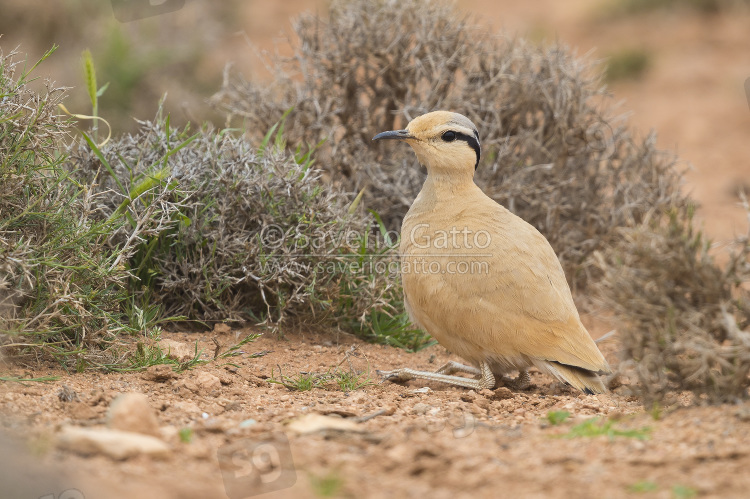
(453, 367)
(486, 379)
(522, 382)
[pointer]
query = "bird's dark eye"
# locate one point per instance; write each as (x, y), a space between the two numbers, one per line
(449, 136)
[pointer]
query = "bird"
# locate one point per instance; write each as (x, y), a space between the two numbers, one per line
(479, 279)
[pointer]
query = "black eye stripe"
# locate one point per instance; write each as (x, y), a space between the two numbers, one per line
(473, 142)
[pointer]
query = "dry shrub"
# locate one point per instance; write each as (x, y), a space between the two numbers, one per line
(552, 152)
(247, 232)
(683, 320)
(58, 288)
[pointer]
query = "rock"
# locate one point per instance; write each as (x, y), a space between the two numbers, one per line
(503, 393)
(469, 396)
(481, 405)
(80, 410)
(131, 412)
(113, 443)
(207, 383)
(177, 350)
(225, 378)
(159, 373)
(315, 423)
(204, 383)
(420, 408)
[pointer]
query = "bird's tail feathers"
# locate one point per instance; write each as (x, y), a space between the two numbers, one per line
(585, 380)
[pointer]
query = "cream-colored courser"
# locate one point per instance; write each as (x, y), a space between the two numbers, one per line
(483, 282)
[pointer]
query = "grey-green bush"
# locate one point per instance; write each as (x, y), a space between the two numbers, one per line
(246, 232)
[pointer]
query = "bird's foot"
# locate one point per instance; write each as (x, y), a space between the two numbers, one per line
(396, 376)
(521, 382)
(486, 379)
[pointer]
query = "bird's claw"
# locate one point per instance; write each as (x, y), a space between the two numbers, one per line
(397, 375)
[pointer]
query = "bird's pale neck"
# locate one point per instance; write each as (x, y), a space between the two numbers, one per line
(441, 181)
(448, 173)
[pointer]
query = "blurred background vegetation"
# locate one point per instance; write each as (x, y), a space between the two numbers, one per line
(181, 54)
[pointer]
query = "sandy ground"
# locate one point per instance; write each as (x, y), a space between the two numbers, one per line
(425, 438)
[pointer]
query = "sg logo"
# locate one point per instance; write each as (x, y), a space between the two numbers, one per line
(251, 467)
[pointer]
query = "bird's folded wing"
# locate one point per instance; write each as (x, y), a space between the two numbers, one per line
(515, 299)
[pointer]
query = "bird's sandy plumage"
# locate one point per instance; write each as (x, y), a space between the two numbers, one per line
(483, 282)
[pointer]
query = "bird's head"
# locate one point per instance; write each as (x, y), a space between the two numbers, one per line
(446, 143)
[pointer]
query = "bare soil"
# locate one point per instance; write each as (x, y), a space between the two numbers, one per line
(425, 439)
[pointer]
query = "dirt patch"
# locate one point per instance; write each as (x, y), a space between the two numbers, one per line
(381, 440)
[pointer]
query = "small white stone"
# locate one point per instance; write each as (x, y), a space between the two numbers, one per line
(113, 443)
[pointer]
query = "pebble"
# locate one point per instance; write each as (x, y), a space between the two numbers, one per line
(159, 373)
(132, 412)
(502, 393)
(420, 408)
(247, 423)
(177, 350)
(113, 443)
(204, 383)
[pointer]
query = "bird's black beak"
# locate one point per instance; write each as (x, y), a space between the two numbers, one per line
(394, 134)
